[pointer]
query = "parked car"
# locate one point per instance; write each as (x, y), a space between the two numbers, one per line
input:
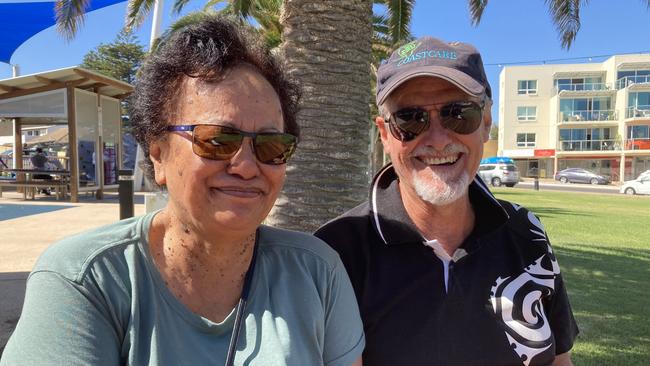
(641, 185)
(578, 175)
(499, 173)
(646, 173)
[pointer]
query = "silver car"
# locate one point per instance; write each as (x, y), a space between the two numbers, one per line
(499, 173)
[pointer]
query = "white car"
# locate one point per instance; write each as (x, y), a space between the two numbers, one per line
(641, 185)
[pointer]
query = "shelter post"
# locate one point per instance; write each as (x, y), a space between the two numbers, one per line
(72, 144)
(18, 150)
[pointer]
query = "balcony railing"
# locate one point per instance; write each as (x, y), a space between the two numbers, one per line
(630, 80)
(639, 111)
(583, 87)
(587, 145)
(589, 115)
(637, 144)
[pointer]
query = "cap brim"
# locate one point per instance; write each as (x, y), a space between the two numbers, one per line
(463, 81)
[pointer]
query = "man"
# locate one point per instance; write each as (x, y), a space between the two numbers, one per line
(39, 162)
(444, 273)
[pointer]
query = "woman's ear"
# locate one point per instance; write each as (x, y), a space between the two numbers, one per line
(156, 156)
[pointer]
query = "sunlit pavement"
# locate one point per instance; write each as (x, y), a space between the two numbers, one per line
(27, 227)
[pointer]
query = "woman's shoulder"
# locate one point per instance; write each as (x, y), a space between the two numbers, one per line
(73, 256)
(298, 244)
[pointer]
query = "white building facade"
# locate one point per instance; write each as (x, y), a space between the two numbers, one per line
(594, 116)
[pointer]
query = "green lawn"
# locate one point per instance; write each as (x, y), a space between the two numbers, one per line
(602, 242)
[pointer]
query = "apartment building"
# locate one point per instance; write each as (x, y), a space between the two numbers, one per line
(593, 115)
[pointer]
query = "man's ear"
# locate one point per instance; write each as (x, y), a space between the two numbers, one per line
(381, 127)
(156, 156)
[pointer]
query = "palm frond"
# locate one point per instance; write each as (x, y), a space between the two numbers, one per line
(399, 18)
(136, 11)
(179, 5)
(69, 17)
(566, 17)
(476, 8)
(212, 3)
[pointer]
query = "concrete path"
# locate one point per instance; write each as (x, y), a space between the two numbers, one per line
(28, 227)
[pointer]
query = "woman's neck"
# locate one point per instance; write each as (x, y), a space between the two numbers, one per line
(206, 275)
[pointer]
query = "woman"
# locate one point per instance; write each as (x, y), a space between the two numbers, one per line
(201, 281)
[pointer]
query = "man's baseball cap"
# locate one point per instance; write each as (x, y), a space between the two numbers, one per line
(457, 62)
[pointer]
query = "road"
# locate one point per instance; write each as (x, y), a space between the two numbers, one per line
(571, 187)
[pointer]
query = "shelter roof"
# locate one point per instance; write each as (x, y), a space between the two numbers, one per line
(57, 79)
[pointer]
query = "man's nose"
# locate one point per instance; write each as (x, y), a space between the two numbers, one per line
(436, 135)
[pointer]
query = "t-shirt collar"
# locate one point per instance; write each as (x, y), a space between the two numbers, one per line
(394, 226)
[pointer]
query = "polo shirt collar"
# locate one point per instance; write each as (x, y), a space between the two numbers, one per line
(394, 226)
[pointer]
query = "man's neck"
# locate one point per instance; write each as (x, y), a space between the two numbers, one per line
(449, 224)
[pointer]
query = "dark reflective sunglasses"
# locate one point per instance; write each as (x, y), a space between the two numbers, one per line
(222, 143)
(460, 117)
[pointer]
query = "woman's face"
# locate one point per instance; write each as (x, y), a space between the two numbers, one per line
(213, 195)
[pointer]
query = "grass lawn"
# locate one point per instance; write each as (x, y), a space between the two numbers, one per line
(602, 242)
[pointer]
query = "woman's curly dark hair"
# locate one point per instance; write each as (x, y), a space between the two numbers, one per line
(204, 50)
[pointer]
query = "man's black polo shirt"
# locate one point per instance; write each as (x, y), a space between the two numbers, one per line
(505, 303)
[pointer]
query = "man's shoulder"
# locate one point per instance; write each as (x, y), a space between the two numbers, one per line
(356, 218)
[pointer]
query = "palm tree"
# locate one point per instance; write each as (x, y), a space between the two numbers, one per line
(327, 46)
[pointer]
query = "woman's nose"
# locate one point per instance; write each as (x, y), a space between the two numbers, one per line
(244, 163)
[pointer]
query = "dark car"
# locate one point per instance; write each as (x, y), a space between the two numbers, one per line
(578, 175)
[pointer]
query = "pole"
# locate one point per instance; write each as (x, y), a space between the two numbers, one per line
(156, 21)
(139, 181)
(125, 191)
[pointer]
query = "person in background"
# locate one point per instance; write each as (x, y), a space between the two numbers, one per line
(40, 162)
(444, 273)
(202, 281)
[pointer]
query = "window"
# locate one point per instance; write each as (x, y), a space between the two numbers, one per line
(525, 140)
(526, 113)
(527, 87)
(578, 84)
(586, 109)
(626, 78)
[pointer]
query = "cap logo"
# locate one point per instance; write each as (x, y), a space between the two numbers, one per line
(407, 54)
(407, 49)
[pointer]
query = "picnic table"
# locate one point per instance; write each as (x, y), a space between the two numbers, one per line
(29, 180)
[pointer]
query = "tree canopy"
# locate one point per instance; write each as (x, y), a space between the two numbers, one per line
(119, 59)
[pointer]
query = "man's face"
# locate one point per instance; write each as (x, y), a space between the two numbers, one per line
(439, 164)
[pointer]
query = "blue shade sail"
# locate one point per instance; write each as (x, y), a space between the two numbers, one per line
(20, 20)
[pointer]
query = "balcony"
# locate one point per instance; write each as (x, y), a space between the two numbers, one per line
(588, 145)
(588, 116)
(639, 111)
(632, 80)
(637, 144)
(582, 88)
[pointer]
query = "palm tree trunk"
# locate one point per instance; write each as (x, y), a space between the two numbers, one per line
(327, 46)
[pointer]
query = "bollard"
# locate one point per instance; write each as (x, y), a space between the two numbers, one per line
(125, 191)
(536, 185)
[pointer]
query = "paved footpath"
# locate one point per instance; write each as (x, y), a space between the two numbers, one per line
(28, 227)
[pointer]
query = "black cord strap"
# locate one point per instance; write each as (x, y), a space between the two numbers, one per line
(241, 306)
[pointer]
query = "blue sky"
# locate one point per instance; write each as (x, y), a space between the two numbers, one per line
(512, 31)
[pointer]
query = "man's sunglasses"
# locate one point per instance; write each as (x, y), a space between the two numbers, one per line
(222, 143)
(460, 117)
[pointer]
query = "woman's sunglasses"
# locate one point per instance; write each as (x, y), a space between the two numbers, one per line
(460, 117)
(222, 143)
